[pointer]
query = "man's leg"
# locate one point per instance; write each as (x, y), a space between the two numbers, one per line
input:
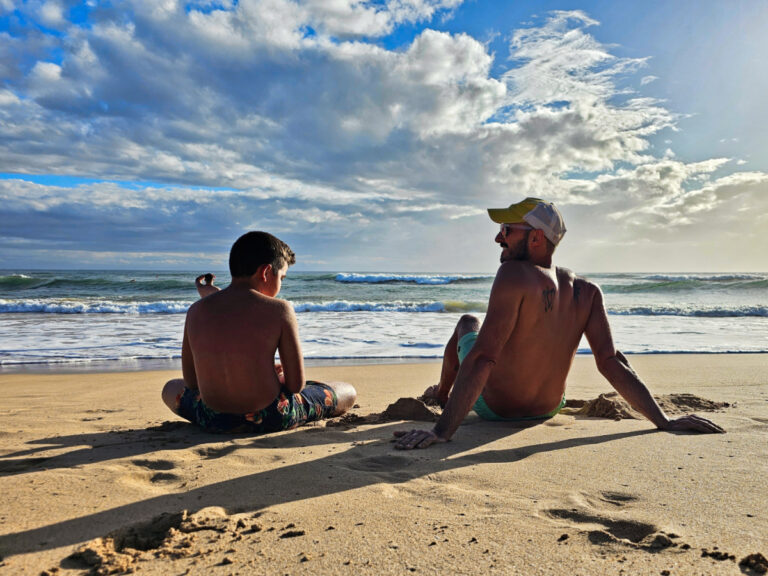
(172, 391)
(466, 324)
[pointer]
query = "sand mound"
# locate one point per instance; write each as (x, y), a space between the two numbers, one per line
(429, 400)
(165, 536)
(609, 405)
(612, 405)
(409, 409)
(402, 409)
(678, 403)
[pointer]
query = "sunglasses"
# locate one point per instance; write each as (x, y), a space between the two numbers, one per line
(507, 228)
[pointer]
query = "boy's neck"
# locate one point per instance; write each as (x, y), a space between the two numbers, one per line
(247, 283)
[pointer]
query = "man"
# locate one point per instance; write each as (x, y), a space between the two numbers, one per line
(231, 383)
(515, 366)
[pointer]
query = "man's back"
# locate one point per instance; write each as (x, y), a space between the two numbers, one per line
(549, 309)
(233, 335)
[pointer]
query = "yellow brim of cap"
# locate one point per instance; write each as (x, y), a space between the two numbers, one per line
(515, 213)
(507, 215)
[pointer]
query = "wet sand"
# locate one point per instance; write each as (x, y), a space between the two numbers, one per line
(97, 476)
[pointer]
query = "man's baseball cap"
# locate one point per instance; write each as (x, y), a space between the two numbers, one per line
(535, 212)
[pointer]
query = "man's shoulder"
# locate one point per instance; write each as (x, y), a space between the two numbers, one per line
(516, 270)
(584, 290)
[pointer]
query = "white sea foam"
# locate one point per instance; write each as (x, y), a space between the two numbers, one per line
(697, 312)
(343, 306)
(703, 277)
(77, 318)
(426, 279)
(90, 307)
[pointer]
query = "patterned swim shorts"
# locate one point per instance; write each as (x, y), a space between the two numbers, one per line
(315, 402)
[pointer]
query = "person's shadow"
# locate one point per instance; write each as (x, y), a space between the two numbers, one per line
(371, 460)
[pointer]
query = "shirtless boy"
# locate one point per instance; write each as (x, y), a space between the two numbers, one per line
(204, 285)
(231, 383)
(515, 365)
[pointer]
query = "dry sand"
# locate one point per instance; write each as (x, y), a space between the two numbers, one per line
(97, 477)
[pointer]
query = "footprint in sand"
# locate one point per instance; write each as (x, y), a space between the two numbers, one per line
(617, 498)
(383, 463)
(212, 453)
(19, 465)
(157, 466)
(603, 527)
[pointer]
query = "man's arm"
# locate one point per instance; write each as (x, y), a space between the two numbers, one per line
(500, 320)
(188, 362)
(616, 369)
(289, 347)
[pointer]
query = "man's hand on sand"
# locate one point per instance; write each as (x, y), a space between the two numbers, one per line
(416, 439)
(694, 423)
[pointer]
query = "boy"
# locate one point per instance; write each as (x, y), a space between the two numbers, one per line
(231, 383)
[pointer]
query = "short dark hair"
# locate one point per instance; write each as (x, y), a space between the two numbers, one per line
(254, 249)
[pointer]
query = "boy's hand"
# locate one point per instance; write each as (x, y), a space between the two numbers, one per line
(279, 372)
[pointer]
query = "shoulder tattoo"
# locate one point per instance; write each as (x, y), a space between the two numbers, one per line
(548, 295)
(576, 291)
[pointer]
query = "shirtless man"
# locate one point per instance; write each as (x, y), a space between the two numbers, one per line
(515, 366)
(231, 383)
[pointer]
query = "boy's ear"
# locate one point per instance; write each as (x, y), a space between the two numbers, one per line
(263, 271)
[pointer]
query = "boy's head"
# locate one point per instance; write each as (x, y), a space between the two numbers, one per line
(255, 249)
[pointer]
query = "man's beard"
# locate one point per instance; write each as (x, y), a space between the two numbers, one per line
(519, 251)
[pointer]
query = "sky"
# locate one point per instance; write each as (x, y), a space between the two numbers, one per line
(373, 135)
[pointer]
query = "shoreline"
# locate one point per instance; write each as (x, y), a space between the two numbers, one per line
(160, 365)
(92, 462)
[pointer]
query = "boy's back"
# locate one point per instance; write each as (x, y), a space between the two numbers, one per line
(231, 383)
(232, 336)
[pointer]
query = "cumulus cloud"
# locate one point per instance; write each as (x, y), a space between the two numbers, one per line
(293, 116)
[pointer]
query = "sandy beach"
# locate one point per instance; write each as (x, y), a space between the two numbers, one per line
(98, 477)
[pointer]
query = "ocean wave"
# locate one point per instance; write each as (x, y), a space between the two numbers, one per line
(344, 306)
(39, 306)
(395, 306)
(708, 312)
(96, 284)
(94, 307)
(426, 279)
(16, 281)
(704, 277)
(660, 283)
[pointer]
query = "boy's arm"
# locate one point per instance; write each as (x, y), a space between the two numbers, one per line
(289, 347)
(616, 369)
(188, 362)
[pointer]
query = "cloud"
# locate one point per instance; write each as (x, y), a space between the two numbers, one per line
(294, 116)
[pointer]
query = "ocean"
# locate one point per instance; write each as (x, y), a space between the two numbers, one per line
(116, 320)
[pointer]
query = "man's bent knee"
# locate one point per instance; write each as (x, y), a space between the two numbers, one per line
(467, 323)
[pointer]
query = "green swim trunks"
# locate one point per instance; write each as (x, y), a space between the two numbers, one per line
(481, 408)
